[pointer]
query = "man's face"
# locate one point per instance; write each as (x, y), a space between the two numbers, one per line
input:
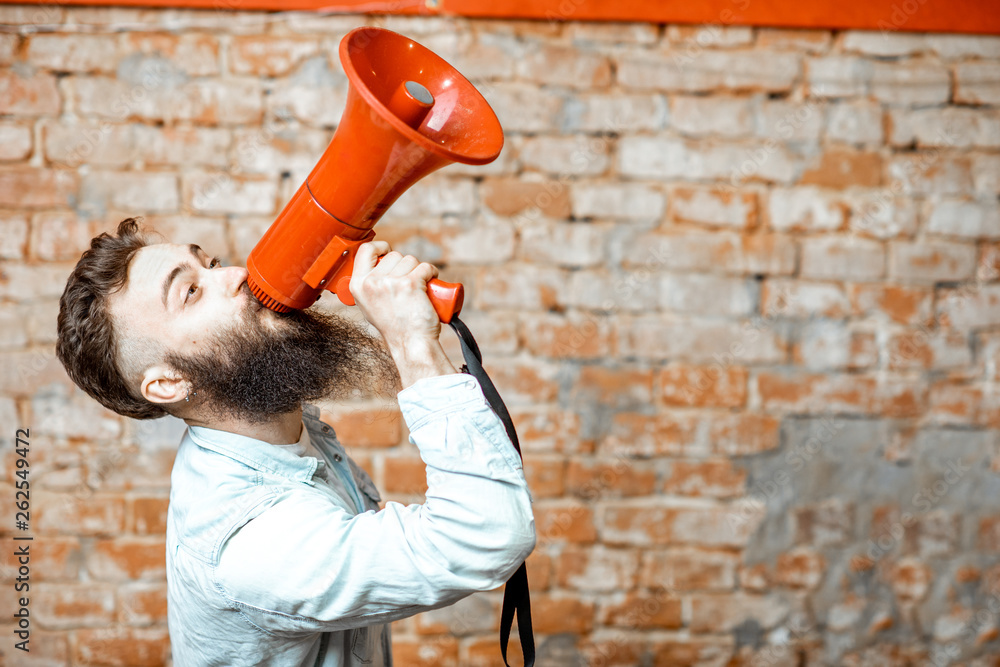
(240, 359)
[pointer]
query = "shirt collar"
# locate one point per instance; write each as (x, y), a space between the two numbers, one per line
(258, 454)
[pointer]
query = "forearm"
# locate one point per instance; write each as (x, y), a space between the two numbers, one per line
(418, 358)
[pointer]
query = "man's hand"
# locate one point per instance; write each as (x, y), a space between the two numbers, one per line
(392, 295)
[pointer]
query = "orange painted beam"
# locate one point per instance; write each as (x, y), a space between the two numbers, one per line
(962, 16)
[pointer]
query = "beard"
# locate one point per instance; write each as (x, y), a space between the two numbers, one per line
(253, 372)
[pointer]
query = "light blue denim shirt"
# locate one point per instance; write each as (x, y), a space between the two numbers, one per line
(268, 564)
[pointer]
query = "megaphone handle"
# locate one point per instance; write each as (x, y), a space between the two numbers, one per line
(447, 298)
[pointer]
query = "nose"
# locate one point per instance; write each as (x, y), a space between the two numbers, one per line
(234, 278)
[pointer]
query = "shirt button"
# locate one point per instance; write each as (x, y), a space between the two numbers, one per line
(337, 458)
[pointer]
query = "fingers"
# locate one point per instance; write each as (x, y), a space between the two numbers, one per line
(367, 256)
(376, 259)
(426, 272)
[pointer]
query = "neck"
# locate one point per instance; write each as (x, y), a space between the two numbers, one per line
(281, 430)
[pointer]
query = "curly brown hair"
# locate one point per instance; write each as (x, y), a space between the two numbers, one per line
(89, 346)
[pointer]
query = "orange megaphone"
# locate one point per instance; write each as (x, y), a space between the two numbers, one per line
(408, 113)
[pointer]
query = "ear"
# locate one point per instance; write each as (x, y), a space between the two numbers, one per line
(162, 384)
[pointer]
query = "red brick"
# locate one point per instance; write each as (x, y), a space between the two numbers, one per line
(642, 611)
(552, 614)
(59, 235)
(523, 382)
(550, 431)
(124, 558)
(522, 286)
(801, 299)
(854, 394)
(838, 76)
(562, 66)
(484, 652)
(714, 207)
(426, 652)
(37, 188)
(614, 652)
(545, 476)
(976, 83)
(122, 647)
(148, 515)
(842, 258)
(911, 580)
(912, 81)
(142, 604)
(800, 568)
(686, 569)
(930, 172)
(72, 605)
(577, 155)
(512, 196)
(966, 307)
(989, 533)
(614, 385)
(730, 253)
(574, 337)
(715, 478)
(406, 475)
(896, 303)
(565, 522)
(13, 235)
(15, 142)
(539, 568)
(692, 652)
(825, 523)
(93, 514)
(931, 261)
(597, 569)
(922, 349)
(637, 434)
(52, 558)
(647, 524)
(806, 209)
(73, 53)
(707, 70)
(742, 434)
(725, 611)
(263, 55)
(196, 53)
(703, 386)
(843, 167)
(594, 480)
(366, 426)
(22, 95)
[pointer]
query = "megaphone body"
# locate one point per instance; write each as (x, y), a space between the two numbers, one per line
(408, 114)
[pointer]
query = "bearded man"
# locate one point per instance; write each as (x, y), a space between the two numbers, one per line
(277, 551)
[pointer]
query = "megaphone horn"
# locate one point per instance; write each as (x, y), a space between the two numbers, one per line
(408, 114)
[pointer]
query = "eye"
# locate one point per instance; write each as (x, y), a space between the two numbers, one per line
(191, 292)
(214, 263)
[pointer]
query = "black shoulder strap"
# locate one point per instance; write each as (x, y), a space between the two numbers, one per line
(515, 594)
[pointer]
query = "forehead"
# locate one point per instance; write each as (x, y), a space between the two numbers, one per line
(149, 267)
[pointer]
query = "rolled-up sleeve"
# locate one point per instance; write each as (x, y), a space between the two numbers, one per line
(306, 564)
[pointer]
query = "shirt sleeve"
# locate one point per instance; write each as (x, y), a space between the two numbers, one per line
(307, 565)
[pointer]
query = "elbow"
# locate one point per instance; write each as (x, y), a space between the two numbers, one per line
(525, 541)
(521, 540)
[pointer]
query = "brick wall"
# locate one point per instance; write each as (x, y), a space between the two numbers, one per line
(738, 286)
